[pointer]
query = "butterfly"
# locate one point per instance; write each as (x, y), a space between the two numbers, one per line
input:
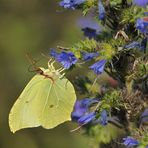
(47, 101)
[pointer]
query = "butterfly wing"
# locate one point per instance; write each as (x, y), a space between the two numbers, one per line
(58, 104)
(43, 103)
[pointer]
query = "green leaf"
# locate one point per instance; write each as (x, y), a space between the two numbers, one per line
(131, 14)
(107, 51)
(46, 101)
(113, 3)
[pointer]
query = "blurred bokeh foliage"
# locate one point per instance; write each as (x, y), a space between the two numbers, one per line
(32, 27)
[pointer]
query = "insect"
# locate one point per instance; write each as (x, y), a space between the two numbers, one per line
(45, 101)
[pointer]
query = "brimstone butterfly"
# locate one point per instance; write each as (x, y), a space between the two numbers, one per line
(46, 101)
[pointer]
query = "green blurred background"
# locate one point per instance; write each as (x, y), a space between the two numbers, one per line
(32, 27)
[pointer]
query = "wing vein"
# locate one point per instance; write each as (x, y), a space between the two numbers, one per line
(46, 100)
(56, 97)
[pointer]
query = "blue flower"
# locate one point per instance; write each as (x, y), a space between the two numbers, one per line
(87, 118)
(132, 45)
(98, 67)
(101, 10)
(79, 111)
(129, 141)
(90, 27)
(143, 44)
(147, 146)
(67, 59)
(141, 3)
(53, 53)
(89, 56)
(71, 4)
(142, 25)
(144, 117)
(104, 118)
(90, 33)
(146, 13)
(82, 115)
(87, 102)
(82, 107)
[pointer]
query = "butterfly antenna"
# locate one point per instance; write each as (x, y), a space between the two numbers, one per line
(42, 54)
(30, 59)
(30, 69)
(32, 62)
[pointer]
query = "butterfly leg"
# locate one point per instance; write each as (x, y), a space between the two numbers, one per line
(62, 76)
(50, 65)
(61, 70)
